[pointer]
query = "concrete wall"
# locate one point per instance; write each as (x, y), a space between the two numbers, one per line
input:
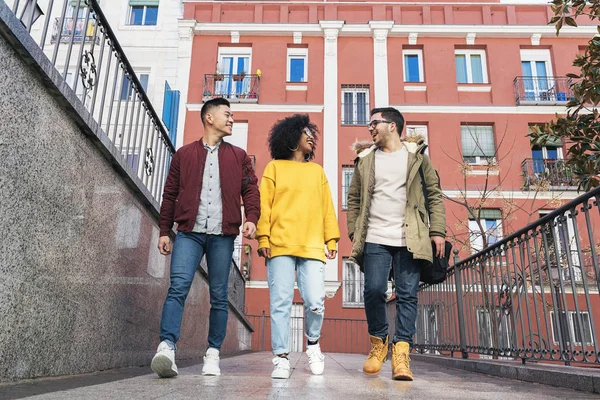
(81, 281)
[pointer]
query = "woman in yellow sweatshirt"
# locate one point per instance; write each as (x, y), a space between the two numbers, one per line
(296, 232)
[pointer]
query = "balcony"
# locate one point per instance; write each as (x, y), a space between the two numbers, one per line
(548, 90)
(82, 32)
(237, 88)
(553, 174)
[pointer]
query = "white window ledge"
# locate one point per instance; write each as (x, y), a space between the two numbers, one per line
(419, 88)
(478, 88)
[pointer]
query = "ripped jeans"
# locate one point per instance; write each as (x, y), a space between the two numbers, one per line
(311, 283)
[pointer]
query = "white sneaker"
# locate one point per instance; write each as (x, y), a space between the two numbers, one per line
(211, 362)
(282, 368)
(163, 362)
(316, 359)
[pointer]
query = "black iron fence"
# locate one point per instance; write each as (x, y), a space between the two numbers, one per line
(547, 173)
(548, 90)
(531, 296)
(238, 88)
(338, 335)
(78, 41)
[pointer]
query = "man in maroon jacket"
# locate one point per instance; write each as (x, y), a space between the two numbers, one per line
(202, 195)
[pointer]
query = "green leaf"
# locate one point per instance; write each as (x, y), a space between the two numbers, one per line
(570, 21)
(574, 76)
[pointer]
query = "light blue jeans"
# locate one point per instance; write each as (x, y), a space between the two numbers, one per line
(310, 275)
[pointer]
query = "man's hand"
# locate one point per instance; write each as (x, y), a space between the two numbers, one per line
(164, 245)
(249, 230)
(331, 254)
(264, 252)
(439, 245)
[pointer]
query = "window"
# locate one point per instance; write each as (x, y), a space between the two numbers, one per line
(127, 91)
(575, 327)
(297, 65)
(418, 130)
(355, 106)
(347, 173)
(133, 160)
(413, 65)
(537, 75)
(560, 240)
(143, 12)
(477, 143)
(353, 284)
(491, 228)
(470, 66)
(485, 328)
(235, 64)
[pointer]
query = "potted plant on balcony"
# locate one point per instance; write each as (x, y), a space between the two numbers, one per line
(218, 76)
(239, 77)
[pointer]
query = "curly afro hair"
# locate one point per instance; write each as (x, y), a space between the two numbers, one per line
(286, 133)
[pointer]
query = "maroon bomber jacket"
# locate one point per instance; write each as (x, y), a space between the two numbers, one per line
(181, 196)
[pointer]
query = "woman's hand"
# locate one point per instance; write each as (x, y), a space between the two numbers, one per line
(264, 252)
(331, 254)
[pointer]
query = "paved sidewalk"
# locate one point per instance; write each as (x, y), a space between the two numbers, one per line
(248, 376)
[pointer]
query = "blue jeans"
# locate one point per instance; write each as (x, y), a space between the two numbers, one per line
(407, 271)
(187, 253)
(311, 283)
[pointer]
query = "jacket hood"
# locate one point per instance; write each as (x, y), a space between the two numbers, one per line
(414, 143)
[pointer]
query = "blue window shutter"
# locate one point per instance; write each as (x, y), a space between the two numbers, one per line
(174, 116)
(167, 105)
(297, 70)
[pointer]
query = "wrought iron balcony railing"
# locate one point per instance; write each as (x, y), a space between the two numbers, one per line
(551, 173)
(84, 50)
(237, 88)
(548, 90)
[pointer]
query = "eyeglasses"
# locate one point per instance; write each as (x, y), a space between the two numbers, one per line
(308, 133)
(374, 123)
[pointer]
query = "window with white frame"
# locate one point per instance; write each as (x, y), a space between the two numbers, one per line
(297, 64)
(471, 66)
(413, 65)
(355, 104)
(485, 329)
(127, 91)
(347, 173)
(574, 328)
(488, 225)
(353, 285)
(560, 239)
(143, 12)
(418, 130)
(477, 143)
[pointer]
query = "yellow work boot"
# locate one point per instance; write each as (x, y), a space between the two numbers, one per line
(377, 356)
(401, 362)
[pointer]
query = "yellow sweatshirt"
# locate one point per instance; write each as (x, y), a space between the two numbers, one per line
(297, 217)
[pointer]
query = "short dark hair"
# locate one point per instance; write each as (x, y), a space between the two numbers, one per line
(286, 133)
(210, 104)
(391, 114)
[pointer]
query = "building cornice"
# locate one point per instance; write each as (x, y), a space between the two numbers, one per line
(395, 30)
(514, 194)
(471, 109)
(275, 108)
